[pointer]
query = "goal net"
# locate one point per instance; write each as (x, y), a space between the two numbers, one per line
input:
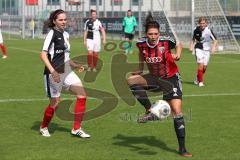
(178, 18)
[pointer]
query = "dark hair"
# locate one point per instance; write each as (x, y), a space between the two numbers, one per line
(129, 10)
(53, 16)
(93, 10)
(150, 22)
(202, 19)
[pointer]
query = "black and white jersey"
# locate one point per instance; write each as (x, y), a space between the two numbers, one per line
(57, 46)
(93, 29)
(203, 38)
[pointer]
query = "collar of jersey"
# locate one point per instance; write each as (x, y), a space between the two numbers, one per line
(58, 30)
(151, 45)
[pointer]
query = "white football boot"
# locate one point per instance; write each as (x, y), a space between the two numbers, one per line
(80, 133)
(44, 131)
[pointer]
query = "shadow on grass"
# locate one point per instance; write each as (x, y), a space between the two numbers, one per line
(189, 83)
(52, 127)
(135, 144)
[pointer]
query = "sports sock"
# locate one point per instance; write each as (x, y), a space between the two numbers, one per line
(95, 60)
(180, 131)
(200, 75)
(79, 112)
(90, 60)
(140, 93)
(126, 47)
(3, 48)
(204, 70)
(49, 112)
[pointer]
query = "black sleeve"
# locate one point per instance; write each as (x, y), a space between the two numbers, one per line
(171, 43)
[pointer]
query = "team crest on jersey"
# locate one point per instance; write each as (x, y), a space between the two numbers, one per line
(161, 49)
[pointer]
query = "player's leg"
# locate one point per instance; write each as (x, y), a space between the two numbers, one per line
(174, 99)
(206, 61)
(2, 46)
(179, 125)
(96, 50)
(126, 44)
(90, 46)
(74, 85)
(130, 43)
(53, 91)
(200, 62)
(139, 85)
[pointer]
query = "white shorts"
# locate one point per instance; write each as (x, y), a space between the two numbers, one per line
(94, 45)
(53, 89)
(1, 38)
(202, 56)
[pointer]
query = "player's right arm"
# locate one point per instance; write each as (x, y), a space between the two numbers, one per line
(192, 42)
(44, 58)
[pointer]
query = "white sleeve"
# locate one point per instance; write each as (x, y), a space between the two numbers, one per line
(100, 25)
(48, 41)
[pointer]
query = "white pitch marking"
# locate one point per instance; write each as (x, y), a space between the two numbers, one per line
(46, 99)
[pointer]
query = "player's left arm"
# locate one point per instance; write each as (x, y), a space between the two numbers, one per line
(214, 44)
(103, 33)
(178, 53)
(178, 48)
(134, 25)
(77, 66)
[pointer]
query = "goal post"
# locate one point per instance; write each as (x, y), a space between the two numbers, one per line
(178, 18)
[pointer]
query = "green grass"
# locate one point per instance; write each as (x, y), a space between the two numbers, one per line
(211, 113)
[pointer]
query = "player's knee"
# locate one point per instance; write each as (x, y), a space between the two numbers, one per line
(54, 102)
(81, 96)
(130, 81)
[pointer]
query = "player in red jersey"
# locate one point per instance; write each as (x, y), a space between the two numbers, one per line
(163, 75)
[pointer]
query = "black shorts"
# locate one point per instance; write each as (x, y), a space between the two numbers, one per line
(129, 36)
(170, 87)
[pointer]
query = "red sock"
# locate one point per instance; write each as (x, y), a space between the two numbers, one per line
(200, 75)
(90, 60)
(79, 112)
(3, 48)
(49, 112)
(95, 60)
(204, 70)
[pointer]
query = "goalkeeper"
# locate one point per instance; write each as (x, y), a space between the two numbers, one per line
(129, 25)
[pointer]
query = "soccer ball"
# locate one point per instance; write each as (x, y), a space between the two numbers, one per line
(161, 109)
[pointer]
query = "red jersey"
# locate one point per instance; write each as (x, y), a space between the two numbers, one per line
(158, 57)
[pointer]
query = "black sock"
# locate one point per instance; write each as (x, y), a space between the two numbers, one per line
(140, 93)
(180, 131)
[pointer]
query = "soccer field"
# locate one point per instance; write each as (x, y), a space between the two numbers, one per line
(211, 112)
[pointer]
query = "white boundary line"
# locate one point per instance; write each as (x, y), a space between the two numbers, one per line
(46, 99)
(38, 51)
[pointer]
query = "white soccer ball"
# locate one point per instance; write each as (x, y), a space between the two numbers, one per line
(161, 109)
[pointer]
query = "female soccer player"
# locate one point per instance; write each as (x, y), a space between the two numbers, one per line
(58, 74)
(163, 75)
(92, 40)
(2, 46)
(202, 37)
